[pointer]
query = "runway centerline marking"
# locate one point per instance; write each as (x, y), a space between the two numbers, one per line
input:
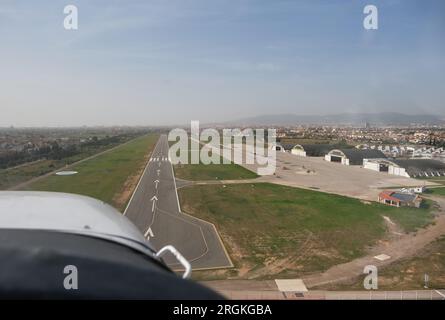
(141, 178)
(154, 199)
(163, 209)
(149, 234)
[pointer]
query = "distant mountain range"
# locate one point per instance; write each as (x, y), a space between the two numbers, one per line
(374, 119)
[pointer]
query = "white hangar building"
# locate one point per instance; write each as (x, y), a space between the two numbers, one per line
(353, 156)
(412, 168)
(312, 150)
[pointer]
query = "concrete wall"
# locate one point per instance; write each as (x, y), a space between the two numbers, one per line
(394, 170)
(344, 160)
(388, 202)
(298, 152)
(397, 171)
(371, 165)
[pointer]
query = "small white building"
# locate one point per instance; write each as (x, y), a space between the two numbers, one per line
(421, 189)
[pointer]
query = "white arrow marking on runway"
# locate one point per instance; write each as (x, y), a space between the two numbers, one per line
(159, 164)
(154, 199)
(149, 234)
(159, 171)
(156, 183)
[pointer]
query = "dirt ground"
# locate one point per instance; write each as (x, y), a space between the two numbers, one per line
(396, 245)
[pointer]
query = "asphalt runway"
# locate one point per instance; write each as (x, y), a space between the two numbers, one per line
(154, 208)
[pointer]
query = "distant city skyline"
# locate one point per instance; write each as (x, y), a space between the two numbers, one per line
(168, 62)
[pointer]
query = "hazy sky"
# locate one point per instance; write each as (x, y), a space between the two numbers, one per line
(168, 61)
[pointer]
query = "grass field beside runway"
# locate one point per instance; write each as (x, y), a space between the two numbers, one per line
(107, 177)
(273, 230)
(408, 274)
(439, 180)
(436, 191)
(194, 172)
(13, 176)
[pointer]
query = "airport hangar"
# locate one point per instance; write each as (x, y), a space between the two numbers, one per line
(305, 150)
(280, 147)
(312, 150)
(353, 156)
(410, 168)
(372, 159)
